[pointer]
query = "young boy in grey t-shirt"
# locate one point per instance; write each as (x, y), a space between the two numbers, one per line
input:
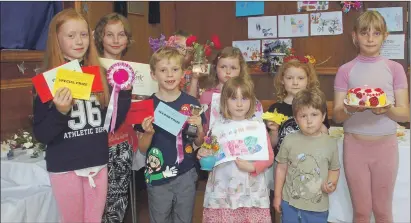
(308, 165)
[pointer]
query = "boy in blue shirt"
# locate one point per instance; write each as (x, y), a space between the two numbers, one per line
(171, 180)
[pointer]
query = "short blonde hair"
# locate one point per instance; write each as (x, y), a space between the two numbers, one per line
(309, 71)
(370, 19)
(314, 98)
(165, 53)
(229, 90)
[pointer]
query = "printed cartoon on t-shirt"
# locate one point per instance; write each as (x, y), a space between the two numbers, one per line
(305, 179)
(154, 165)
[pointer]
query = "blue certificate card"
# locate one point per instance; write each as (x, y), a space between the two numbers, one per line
(169, 119)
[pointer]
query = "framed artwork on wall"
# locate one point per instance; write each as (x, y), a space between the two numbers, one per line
(137, 8)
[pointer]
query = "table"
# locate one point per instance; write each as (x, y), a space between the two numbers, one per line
(26, 194)
(340, 201)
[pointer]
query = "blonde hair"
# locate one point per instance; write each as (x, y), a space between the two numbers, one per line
(370, 19)
(229, 90)
(308, 69)
(314, 98)
(101, 25)
(165, 53)
(53, 56)
(229, 52)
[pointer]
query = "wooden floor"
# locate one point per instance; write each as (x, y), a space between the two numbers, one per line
(142, 206)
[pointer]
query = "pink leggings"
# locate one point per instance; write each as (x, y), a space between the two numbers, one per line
(371, 171)
(77, 201)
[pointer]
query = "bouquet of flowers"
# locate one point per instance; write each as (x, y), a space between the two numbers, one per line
(202, 51)
(24, 140)
(210, 143)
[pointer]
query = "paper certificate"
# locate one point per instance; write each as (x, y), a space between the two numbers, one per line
(169, 119)
(79, 83)
(393, 47)
(241, 139)
(50, 75)
(143, 84)
(139, 111)
(215, 108)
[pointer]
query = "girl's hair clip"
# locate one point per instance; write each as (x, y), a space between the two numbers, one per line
(292, 57)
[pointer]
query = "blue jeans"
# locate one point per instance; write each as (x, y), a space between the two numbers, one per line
(291, 214)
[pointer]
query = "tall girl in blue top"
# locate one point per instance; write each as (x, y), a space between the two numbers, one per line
(77, 144)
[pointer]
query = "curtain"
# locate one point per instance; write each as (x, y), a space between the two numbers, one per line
(24, 25)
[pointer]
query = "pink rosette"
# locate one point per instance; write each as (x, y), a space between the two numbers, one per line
(120, 76)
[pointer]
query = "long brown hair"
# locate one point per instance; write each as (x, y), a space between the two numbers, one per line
(54, 57)
(229, 52)
(101, 25)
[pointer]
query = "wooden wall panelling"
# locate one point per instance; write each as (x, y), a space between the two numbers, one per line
(16, 97)
(206, 18)
(405, 5)
(224, 23)
(140, 50)
(16, 107)
(16, 87)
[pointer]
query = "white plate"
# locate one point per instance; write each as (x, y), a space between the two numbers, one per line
(363, 106)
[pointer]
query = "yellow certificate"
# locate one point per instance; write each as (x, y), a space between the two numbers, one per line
(79, 83)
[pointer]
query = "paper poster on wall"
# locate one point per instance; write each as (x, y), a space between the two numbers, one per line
(251, 49)
(241, 139)
(307, 6)
(393, 17)
(262, 27)
(293, 25)
(275, 50)
(245, 8)
(143, 85)
(277, 47)
(326, 23)
(393, 47)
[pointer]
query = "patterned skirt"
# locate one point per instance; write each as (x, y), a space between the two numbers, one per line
(239, 215)
(119, 175)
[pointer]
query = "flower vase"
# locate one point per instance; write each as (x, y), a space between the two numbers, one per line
(207, 163)
(199, 64)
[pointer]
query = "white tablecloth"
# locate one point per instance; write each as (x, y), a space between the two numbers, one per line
(340, 201)
(26, 194)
